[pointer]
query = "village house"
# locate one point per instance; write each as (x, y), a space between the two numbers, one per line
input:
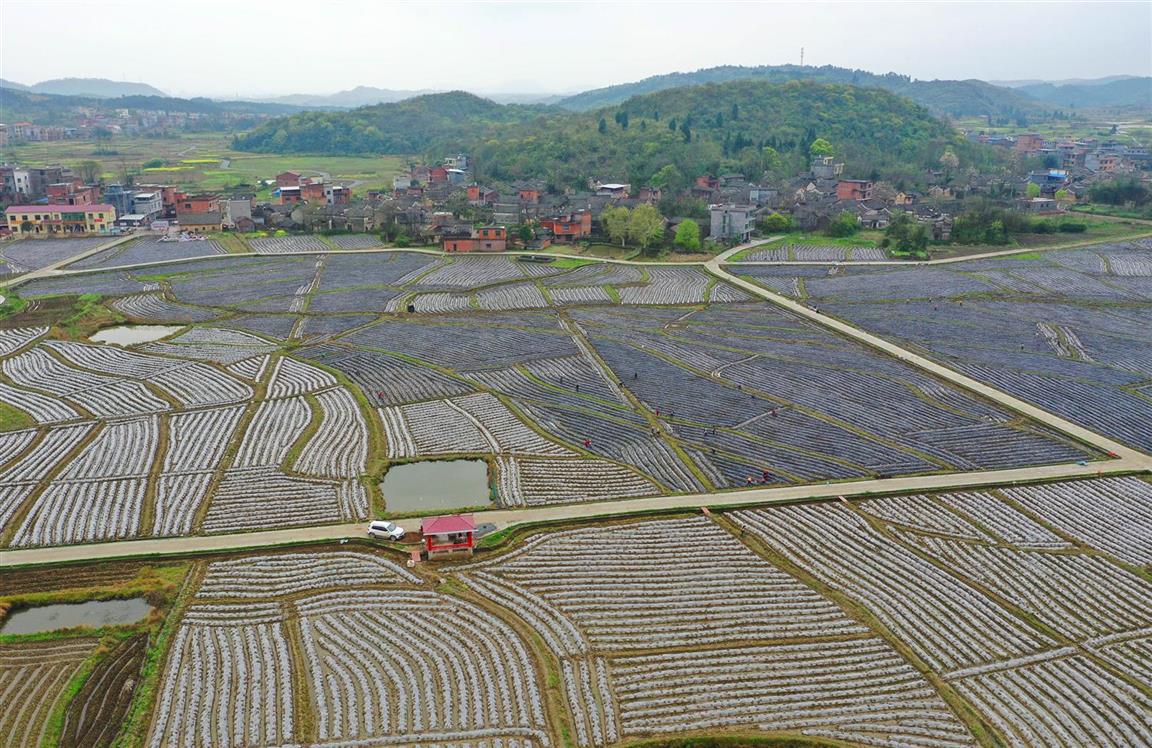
(854, 189)
(73, 193)
(482, 239)
(337, 194)
(568, 228)
(730, 222)
(529, 192)
(1029, 143)
(197, 204)
(1039, 205)
(236, 209)
(290, 195)
(312, 191)
(824, 167)
(650, 195)
(202, 223)
(613, 189)
(60, 220)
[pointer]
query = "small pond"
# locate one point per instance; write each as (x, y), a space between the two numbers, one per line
(94, 614)
(436, 485)
(133, 334)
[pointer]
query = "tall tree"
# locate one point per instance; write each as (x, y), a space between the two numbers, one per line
(687, 235)
(821, 147)
(645, 226)
(615, 222)
(89, 171)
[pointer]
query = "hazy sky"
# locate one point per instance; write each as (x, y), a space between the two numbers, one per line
(229, 47)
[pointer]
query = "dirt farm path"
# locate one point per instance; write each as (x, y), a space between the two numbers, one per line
(1126, 460)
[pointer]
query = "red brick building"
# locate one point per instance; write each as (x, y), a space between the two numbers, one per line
(197, 204)
(483, 239)
(569, 228)
(854, 189)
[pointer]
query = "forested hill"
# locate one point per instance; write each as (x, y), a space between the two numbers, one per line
(742, 126)
(404, 127)
(954, 98)
(747, 126)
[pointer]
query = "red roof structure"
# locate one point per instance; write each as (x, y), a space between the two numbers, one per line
(448, 534)
(448, 523)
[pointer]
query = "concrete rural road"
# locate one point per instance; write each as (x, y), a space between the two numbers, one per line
(1127, 460)
(508, 517)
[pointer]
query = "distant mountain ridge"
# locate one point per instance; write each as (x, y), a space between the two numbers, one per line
(957, 98)
(1066, 82)
(99, 88)
(371, 95)
(1125, 92)
(54, 109)
(353, 97)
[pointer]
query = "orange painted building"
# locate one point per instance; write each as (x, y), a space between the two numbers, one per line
(569, 228)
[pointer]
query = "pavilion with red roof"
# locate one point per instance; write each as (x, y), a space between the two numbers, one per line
(448, 534)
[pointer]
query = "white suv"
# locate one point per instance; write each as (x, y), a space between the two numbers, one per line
(384, 529)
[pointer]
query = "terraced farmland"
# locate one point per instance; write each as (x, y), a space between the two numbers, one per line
(1068, 332)
(31, 254)
(128, 443)
(145, 250)
(922, 620)
(1007, 616)
(656, 380)
(33, 676)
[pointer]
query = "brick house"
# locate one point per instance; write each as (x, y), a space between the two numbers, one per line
(197, 204)
(569, 228)
(482, 239)
(854, 189)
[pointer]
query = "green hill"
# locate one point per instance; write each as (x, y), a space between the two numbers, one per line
(404, 127)
(746, 126)
(955, 98)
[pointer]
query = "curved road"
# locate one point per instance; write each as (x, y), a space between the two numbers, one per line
(1127, 460)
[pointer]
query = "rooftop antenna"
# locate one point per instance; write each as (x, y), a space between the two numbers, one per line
(801, 57)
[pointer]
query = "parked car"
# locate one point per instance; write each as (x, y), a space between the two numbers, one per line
(384, 529)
